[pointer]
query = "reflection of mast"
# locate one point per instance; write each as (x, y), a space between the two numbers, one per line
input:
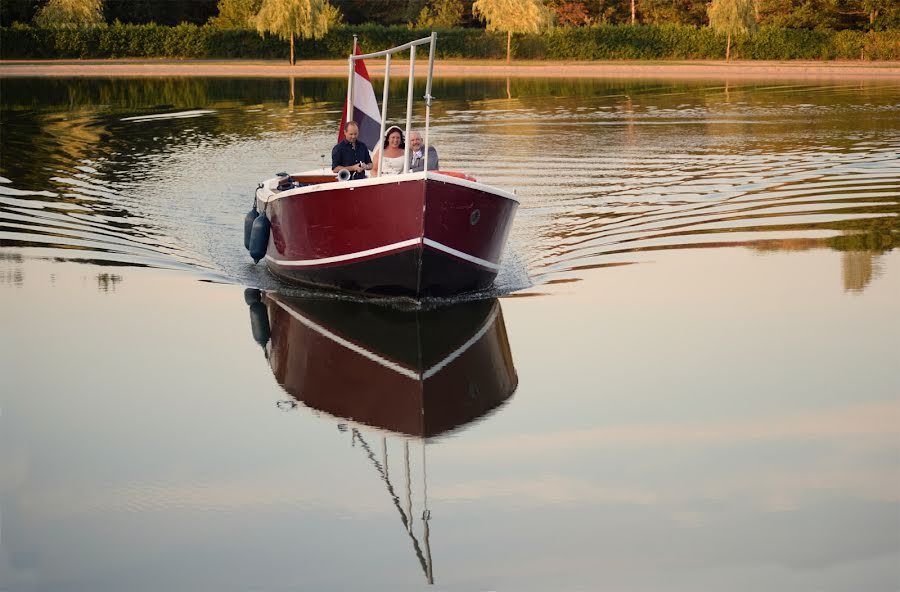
(292, 99)
(406, 518)
(420, 373)
(426, 517)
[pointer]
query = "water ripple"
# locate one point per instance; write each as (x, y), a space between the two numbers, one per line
(608, 173)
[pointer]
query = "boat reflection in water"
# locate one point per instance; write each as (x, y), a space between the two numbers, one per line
(415, 372)
(411, 374)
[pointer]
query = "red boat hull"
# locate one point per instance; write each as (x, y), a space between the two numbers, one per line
(420, 373)
(412, 235)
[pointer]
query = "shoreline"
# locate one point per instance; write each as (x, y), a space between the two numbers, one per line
(683, 69)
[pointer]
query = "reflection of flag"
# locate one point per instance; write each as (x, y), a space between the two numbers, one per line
(365, 107)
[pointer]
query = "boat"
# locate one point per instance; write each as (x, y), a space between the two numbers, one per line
(431, 233)
(419, 373)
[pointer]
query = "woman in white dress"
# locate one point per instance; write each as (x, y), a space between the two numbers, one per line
(393, 146)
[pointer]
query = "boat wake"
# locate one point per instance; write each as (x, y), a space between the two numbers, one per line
(161, 192)
(697, 168)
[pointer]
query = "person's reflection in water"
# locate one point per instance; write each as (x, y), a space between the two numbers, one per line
(418, 374)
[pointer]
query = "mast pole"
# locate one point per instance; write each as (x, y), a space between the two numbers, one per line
(384, 102)
(428, 96)
(409, 102)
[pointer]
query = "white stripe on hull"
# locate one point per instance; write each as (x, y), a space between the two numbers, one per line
(462, 349)
(384, 362)
(349, 344)
(349, 257)
(461, 255)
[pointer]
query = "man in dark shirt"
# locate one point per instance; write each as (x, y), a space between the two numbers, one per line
(351, 154)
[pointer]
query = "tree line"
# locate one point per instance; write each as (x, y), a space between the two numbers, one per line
(290, 20)
(861, 15)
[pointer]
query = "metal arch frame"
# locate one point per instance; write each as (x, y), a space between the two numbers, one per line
(431, 41)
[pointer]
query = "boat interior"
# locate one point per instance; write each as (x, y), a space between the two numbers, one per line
(285, 182)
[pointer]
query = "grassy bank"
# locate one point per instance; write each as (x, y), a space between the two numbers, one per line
(456, 68)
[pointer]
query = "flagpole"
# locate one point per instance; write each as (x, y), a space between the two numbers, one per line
(350, 85)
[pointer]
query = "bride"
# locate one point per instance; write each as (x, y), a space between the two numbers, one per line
(393, 153)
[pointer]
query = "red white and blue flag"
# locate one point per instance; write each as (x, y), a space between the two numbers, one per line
(365, 107)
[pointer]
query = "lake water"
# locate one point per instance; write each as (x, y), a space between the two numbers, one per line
(687, 378)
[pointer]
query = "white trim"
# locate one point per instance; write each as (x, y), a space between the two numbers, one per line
(349, 344)
(382, 180)
(461, 349)
(399, 369)
(472, 258)
(348, 256)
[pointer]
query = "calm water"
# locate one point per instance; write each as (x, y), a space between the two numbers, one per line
(687, 377)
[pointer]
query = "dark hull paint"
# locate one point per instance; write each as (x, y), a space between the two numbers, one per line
(397, 274)
(421, 373)
(325, 238)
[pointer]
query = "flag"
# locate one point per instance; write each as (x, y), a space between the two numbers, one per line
(365, 108)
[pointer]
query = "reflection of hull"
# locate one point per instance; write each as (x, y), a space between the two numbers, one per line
(420, 373)
(413, 235)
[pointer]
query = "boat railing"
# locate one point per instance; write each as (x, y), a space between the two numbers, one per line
(431, 41)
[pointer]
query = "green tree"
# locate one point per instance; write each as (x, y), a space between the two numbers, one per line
(162, 12)
(441, 13)
(235, 14)
(70, 14)
(883, 14)
(310, 19)
(382, 12)
(874, 15)
(732, 17)
(796, 14)
(513, 16)
(680, 12)
(17, 11)
(569, 13)
(607, 11)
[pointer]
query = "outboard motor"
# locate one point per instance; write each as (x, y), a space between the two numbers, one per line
(344, 175)
(284, 181)
(259, 237)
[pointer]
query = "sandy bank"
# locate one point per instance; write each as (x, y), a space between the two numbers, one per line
(758, 70)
